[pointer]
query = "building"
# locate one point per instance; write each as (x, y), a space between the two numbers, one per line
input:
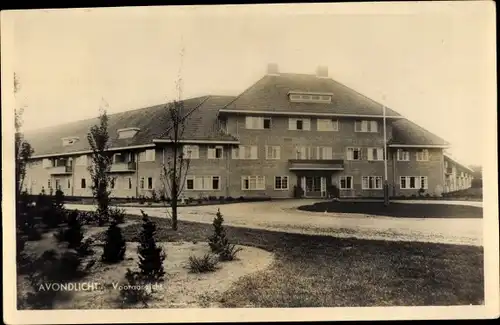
(457, 176)
(285, 131)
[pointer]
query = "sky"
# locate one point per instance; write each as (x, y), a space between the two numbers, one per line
(432, 63)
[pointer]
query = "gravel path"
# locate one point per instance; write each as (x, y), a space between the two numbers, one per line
(284, 216)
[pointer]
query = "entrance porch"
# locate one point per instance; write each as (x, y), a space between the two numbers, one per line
(316, 177)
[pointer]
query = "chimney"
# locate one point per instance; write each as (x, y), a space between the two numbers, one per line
(272, 69)
(322, 71)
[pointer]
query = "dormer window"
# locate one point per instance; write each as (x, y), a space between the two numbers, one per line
(69, 141)
(127, 133)
(310, 97)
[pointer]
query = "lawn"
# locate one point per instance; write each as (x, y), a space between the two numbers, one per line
(401, 210)
(324, 271)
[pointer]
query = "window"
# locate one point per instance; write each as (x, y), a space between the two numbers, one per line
(147, 155)
(281, 183)
(191, 152)
(112, 182)
(353, 153)
(324, 153)
(346, 182)
(46, 163)
(142, 183)
(273, 152)
(127, 133)
(253, 183)
(423, 155)
(123, 157)
(83, 183)
(215, 152)
(82, 160)
(202, 183)
(299, 124)
(254, 122)
(366, 126)
(245, 152)
(129, 183)
(403, 155)
(327, 125)
(311, 98)
(69, 183)
(58, 184)
(413, 182)
(150, 183)
(303, 152)
(49, 184)
(375, 153)
(371, 182)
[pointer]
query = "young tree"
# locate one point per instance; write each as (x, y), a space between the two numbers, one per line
(98, 138)
(114, 246)
(175, 169)
(151, 256)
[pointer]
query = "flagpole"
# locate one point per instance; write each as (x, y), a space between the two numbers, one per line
(386, 184)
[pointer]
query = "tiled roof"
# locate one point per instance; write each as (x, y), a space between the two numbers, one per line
(405, 132)
(271, 94)
(152, 122)
(448, 157)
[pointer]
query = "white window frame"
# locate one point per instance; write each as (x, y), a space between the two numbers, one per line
(282, 178)
(324, 153)
(380, 154)
(350, 157)
(303, 152)
(366, 126)
(191, 152)
(418, 182)
(260, 182)
(327, 125)
(212, 152)
(152, 183)
(346, 177)
(422, 155)
(142, 183)
(403, 155)
(240, 152)
(292, 124)
(256, 122)
(147, 155)
(273, 152)
(206, 181)
(366, 180)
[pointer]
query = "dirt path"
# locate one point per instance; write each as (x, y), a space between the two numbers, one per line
(284, 216)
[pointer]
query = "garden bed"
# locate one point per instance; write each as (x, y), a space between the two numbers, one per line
(401, 210)
(324, 271)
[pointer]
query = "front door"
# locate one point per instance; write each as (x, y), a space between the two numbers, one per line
(314, 186)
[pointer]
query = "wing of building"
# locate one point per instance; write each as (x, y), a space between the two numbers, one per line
(285, 132)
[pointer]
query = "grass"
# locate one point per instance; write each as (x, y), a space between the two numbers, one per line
(324, 271)
(401, 210)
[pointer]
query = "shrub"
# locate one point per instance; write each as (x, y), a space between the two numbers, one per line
(229, 199)
(421, 192)
(117, 215)
(241, 198)
(133, 289)
(427, 195)
(207, 263)
(151, 257)
(60, 235)
(212, 198)
(154, 196)
(88, 217)
(85, 248)
(219, 242)
(333, 191)
(69, 266)
(142, 199)
(228, 252)
(74, 233)
(114, 246)
(298, 192)
(221, 198)
(413, 196)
